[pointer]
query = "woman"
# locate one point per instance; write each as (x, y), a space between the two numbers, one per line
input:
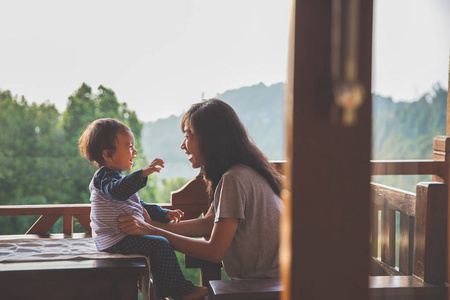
(243, 221)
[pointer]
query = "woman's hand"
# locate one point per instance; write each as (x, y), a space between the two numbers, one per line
(131, 225)
(175, 215)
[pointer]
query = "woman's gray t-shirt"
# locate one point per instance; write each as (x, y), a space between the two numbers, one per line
(245, 195)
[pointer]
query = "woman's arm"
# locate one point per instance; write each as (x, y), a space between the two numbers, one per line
(213, 249)
(193, 228)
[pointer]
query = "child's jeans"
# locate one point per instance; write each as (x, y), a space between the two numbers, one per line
(168, 280)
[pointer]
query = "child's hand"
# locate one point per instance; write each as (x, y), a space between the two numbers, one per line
(175, 215)
(155, 166)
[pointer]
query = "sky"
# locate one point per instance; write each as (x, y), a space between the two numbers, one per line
(411, 47)
(162, 56)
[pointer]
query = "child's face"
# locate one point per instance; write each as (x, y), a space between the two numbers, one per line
(122, 158)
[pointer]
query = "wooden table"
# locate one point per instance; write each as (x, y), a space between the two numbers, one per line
(97, 279)
(71, 279)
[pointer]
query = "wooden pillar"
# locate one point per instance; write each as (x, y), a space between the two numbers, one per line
(447, 181)
(441, 152)
(447, 132)
(325, 227)
(68, 224)
(441, 147)
(431, 213)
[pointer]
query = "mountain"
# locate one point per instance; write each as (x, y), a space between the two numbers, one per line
(405, 130)
(401, 130)
(259, 107)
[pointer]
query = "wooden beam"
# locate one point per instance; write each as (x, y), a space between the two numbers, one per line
(43, 224)
(85, 221)
(327, 191)
(383, 269)
(406, 244)
(448, 101)
(404, 288)
(408, 167)
(430, 246)
(193, 192)
(388, 235)
(24, 210)
(68, 224)
(397, 199)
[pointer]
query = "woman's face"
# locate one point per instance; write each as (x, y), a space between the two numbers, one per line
(191, 147)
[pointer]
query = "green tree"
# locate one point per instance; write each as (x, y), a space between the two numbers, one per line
(30, 147)
(39, 152)
(406, 131)
(81, 110)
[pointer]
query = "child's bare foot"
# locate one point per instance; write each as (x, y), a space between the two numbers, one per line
(199, 291)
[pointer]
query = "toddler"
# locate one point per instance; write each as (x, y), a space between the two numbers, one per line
(109, 145)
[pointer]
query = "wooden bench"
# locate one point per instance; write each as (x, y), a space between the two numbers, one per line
(70, 279)
(268, 289)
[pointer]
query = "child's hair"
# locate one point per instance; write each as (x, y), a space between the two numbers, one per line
(98, 136)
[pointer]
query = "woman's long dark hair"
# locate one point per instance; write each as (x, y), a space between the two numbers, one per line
(224, 143)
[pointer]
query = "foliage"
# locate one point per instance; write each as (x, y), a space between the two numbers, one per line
(162, 139)
(40, 163)
(39, 158)
(260, 108)
(158, 190)
(403, 130)
(406, 131)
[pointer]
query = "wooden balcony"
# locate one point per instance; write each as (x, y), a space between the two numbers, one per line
(421, 243)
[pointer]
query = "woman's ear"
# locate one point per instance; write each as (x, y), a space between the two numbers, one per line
(107, 155)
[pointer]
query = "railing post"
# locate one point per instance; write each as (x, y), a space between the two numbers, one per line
(441, 152)
(406, 246)
(68, 224)
(388, 235)
(43, 224)
(430, 246)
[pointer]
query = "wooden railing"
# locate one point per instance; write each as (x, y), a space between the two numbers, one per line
(191, 198)
(386, 202)
(419, 215)
(49, 214)
(421, 239)
(422, 220)
(439, 166)
(421, 242)
(408, 167)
